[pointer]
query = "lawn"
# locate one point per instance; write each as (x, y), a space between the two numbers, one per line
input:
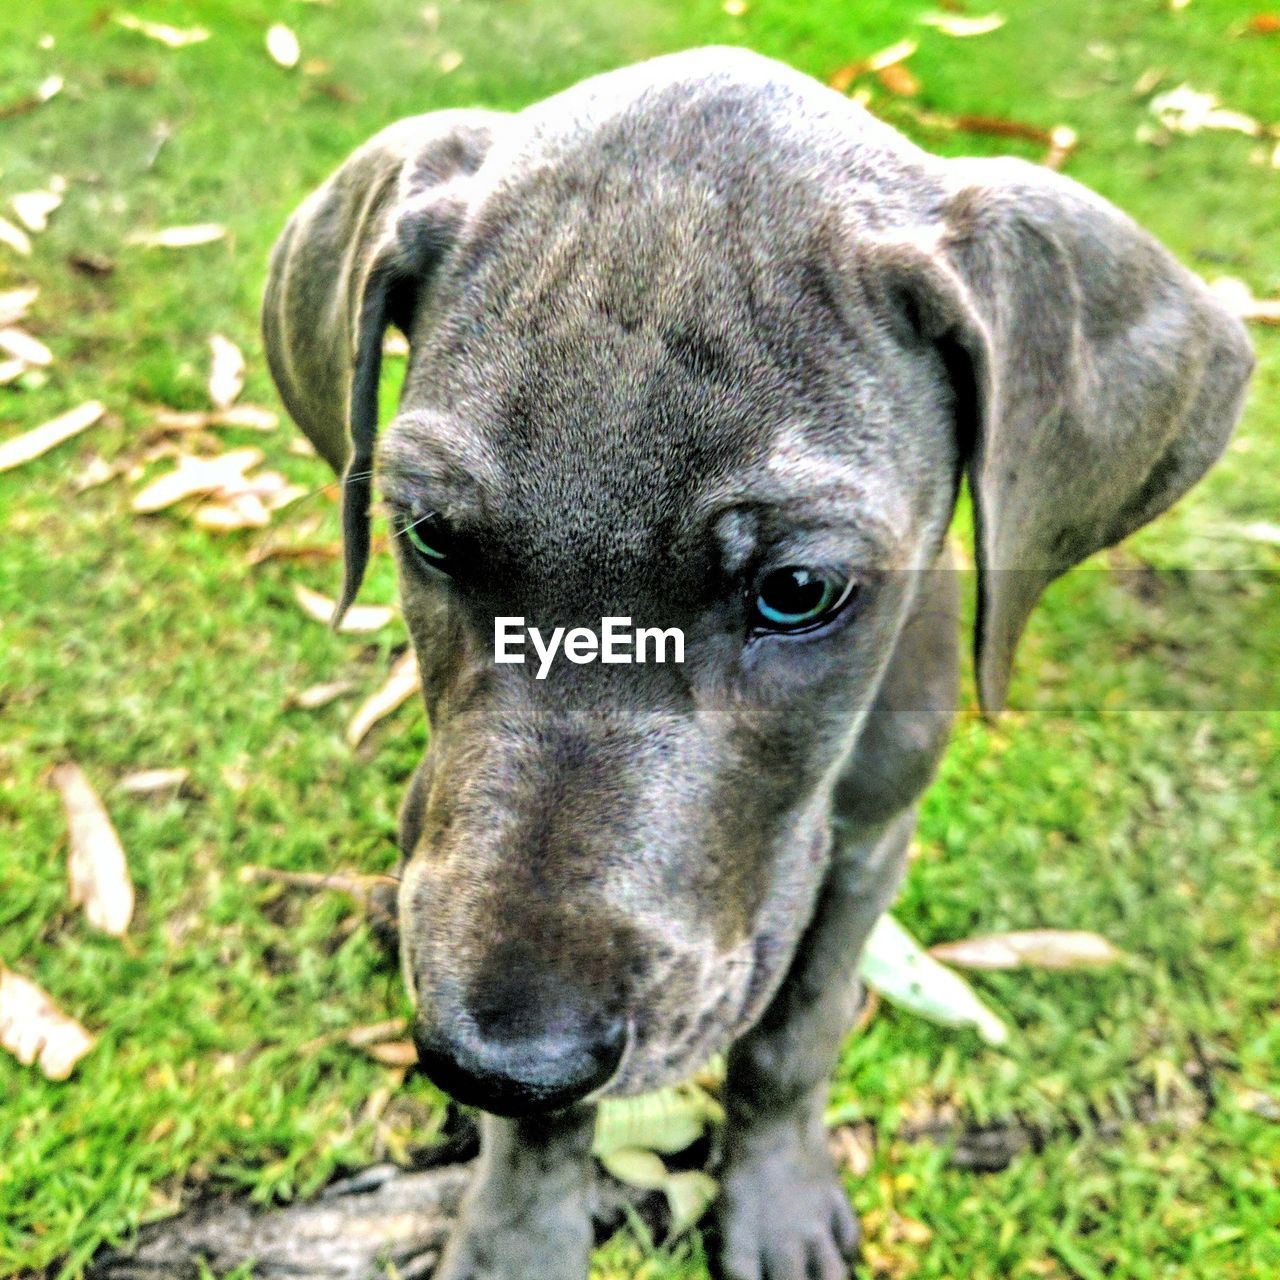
(1132, 788)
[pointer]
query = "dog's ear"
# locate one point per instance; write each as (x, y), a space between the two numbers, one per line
(1096, 379)
(355, 258)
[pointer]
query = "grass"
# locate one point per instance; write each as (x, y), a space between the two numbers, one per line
(1132, 788)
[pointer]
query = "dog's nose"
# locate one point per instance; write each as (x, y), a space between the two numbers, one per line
(522, 1073)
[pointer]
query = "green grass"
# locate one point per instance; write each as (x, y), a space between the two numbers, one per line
(1132, 789)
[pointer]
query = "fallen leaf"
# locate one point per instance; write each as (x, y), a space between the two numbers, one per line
(401, 684)
(10, 370)
(23, 448)
(1259, 1103)
(1261, 531)
(248, 417)
(1188, 111)
(393, 1053)
(15, 238)
(1239, 298)
(48, 88)
(97, 869)
(853, 1148)
(97, 471)
(357, 884)
(1029, 948)
(895, 964)
(955, 24)
(283, 45)
(34, 207)
(842, 80)
(295, 551)
(238, 511)
(1264, 24)
(357, 1037)
(319, 695)
(15, 303)
(226, 372)
(174, 37)
(449, 62)
(179, 237)
(146, 782)
(22, 346)
(34, 1029)
(360, 618)
(195, 475)
(898, 80)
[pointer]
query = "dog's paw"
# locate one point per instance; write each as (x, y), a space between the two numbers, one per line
(783, 1215)
(549, 1245)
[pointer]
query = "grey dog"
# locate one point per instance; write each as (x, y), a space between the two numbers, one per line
(702, 343)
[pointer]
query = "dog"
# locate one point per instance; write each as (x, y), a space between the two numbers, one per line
(702, 343)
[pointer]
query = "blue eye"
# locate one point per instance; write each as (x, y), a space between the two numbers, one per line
(428, 537)
(798, 599)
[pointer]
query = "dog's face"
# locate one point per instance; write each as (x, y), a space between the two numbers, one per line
(702, 345)
(641, 844)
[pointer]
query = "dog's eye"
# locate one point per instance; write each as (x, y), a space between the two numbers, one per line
(429, 537)
(798, 599)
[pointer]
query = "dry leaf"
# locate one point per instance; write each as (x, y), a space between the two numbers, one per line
(1239, 298)
(48, 88)
(226, 372)
(34, 207)
(360, 618)
(174, 37)
(146, 782)
(283, 45)
(33, 1028)
(249, 417)
(10, 370)
(22, 346)
(295, 551)
(196, 475)
(853, 1148)
(15, 303)
(449, 62)
(842, 80)
(1264, 24)
(401, 684)
(1186, 110)
(13, 453)
(955, 24)
(179, 237)
(357, 884)
(898, 80)
(97, 868)
(238, 511)
(394, 1053)
(15, 238)
(1037, 948)
(319, 695)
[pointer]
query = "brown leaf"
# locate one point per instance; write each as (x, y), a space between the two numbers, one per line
(48, 88)
(237, 511)
(1034, 948)
(318, 695)
(23, 448)
(22, 346)
(179, 237)
(853, 1147)
(357, 884)
(226, 372)
(357, 1037)
(401, 684)
(842, 80)
(147, 782)
(359, 619)
(173, 37)
(295, 551)
(1186, 110)
(283, 45)
(34, 1029)
(196, 475)
(1264, 24)
(15, 303)
(898, 80)
(248, 417)
(394, 1053)
(98, 872)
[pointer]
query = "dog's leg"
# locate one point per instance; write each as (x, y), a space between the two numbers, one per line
(528, 1211)
(783, 1214)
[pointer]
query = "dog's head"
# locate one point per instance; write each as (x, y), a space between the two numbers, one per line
(702, 345)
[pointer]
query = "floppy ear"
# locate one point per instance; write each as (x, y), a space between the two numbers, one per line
(1096, 378)
(356, 257)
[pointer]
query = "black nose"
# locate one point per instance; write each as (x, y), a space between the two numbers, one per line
(523, 1071)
